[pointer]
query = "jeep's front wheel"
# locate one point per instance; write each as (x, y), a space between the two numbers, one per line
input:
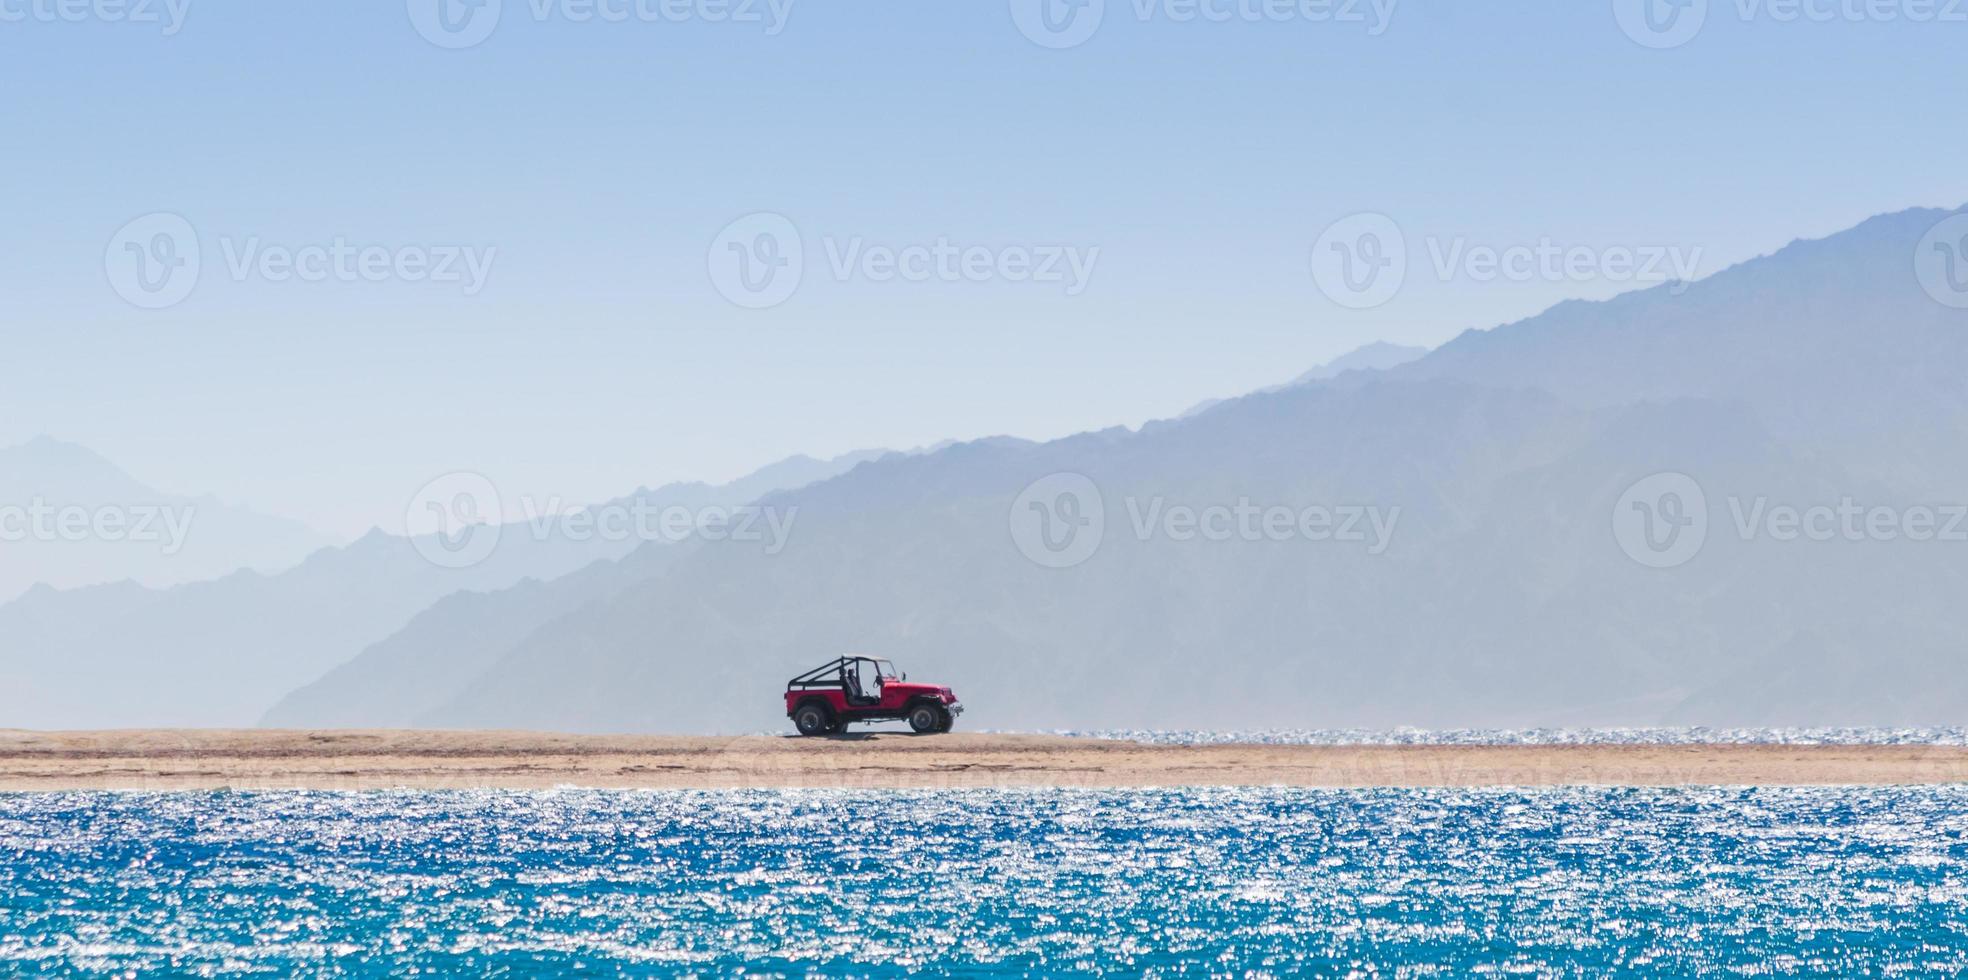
(925, 719)
(811, 719)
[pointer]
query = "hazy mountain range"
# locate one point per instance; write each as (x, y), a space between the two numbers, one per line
(397, 681)
(159, 539)
(413, 678)
(220, 652)
(1377, 356)
(1800, 379)
(1487, 587)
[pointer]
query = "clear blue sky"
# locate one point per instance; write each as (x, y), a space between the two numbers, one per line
(603, 159)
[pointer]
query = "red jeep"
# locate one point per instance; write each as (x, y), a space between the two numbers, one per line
(825, 699)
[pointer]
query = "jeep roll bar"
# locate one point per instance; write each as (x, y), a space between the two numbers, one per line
(812, 679)
(833, 674)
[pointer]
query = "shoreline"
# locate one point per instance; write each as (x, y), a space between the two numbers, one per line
(255, 759)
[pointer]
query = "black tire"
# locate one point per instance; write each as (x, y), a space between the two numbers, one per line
(812, 719)
(928, 719)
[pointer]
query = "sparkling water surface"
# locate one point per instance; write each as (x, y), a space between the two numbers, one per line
(1542, 736)
(1250, 882)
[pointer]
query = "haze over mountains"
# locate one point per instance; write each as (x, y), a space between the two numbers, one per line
(405, 676)
(1378, 356)
(412, 678)
(1482, 581)
(220, 652)
(163, 539)
(1504, 598)
(1833, 343)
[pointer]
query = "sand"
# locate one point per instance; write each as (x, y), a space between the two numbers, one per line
(361, 760)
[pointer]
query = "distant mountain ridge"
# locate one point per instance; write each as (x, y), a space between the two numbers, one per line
(1505, 599)
(405, 676)
(1377, 356)
(161, 539)
(1832, 342)
(220, 652)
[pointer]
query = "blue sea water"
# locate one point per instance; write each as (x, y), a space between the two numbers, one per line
(1252, 882)
(1542, 736)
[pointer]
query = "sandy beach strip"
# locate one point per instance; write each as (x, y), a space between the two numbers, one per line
(363, 760)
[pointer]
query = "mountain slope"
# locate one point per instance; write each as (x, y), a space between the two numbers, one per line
(411, 672)
(220, 653)
(1819, 374)
(1833, 343)
(1377, 356)
(155, 539)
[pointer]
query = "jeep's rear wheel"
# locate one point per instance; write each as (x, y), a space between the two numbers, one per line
(811, 719)
(925, 719)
